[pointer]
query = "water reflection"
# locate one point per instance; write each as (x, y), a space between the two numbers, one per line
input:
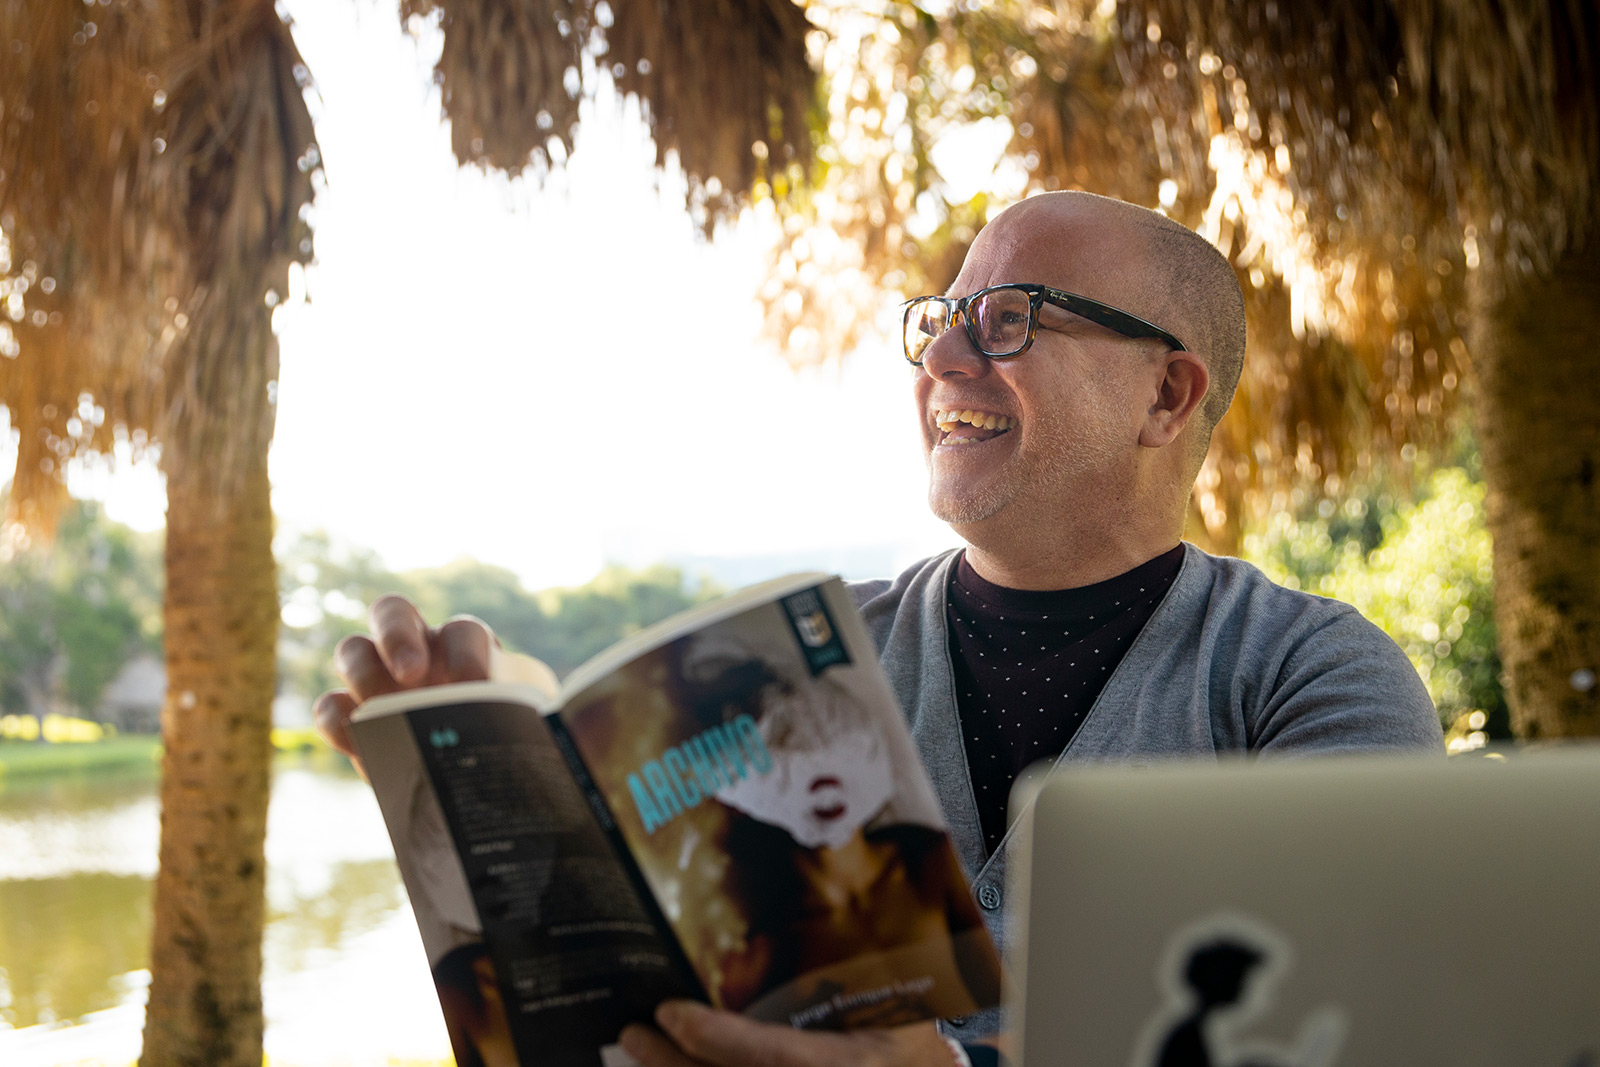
(65, 942)
(76, 824)
(302, 929)
(344, 977)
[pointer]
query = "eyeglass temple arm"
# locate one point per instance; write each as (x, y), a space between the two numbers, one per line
(1122, 322)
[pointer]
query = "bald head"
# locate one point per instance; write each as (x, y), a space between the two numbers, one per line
(1147, 264)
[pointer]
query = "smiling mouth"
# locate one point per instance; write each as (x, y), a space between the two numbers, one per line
(966, 427)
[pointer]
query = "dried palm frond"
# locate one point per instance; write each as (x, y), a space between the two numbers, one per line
(860, 229)
(1490, 107)
(236, 181)
(725, 85)
(1372, 160)
(80, 275)
(141, 299)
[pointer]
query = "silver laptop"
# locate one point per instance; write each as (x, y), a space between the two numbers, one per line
(1349, 912)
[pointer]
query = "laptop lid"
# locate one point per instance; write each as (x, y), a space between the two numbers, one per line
(1349, 912)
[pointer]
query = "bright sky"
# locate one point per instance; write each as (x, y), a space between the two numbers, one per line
(551, 379)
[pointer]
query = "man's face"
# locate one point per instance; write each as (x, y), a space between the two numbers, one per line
(1073, 402)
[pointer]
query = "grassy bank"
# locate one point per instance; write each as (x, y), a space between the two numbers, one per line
(128, 754)
(25, 759)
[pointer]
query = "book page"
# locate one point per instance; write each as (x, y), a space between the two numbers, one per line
(765, 782)
(539, 945)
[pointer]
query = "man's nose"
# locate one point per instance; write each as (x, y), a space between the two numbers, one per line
(951, 355)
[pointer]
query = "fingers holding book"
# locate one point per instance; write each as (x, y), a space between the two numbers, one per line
(402, 652)
(397, 653)
(693, 1035)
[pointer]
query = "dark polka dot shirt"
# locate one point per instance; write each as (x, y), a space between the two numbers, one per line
(1029, 665)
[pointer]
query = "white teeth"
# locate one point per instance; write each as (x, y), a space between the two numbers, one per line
(948, 420)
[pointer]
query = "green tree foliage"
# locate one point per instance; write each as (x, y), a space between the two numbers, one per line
(493, 594)
(73, 613)
(327, 587)
(1420, 569)
(618, 602)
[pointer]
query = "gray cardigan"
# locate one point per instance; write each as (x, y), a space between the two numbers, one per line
(1229, 662)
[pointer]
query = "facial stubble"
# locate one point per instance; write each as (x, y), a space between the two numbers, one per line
(1051, 461)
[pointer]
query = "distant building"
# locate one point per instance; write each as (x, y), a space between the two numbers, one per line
(132, 702)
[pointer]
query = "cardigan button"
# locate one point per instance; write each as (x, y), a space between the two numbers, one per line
(989, 897)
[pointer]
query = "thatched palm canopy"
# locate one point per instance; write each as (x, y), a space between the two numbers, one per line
(76, 105)
(1392, 162)
(726, 86)
(123, 128)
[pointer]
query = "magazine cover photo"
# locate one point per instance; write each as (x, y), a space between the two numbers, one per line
(762, 778)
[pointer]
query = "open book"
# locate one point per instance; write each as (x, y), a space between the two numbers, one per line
(726, 806)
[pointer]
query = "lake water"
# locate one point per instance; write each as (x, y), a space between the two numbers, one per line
(345, 982)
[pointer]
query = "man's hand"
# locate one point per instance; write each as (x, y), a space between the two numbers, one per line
(403, 652)
(693, 1035)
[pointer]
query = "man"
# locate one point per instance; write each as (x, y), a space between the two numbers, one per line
(1063, 430)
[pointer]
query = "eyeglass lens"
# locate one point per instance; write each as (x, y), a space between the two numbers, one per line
(997, 321)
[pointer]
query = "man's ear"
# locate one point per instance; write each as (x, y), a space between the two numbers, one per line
(1179, 394)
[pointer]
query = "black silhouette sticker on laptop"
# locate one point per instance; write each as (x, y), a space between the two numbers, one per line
(1219, 976)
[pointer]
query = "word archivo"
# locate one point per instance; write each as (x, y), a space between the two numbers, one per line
(686, 774)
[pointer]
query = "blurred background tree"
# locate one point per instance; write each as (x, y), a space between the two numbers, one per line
(70, 619)
(619, 601)
(327, 586)
(1420, 566)
(75, 611)
(154, 160)
(1414, 559)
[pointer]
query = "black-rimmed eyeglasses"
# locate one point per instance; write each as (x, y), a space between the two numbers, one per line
(1002, 319)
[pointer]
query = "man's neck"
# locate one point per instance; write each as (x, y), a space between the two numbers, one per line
(1051, 552)
(1063, 569)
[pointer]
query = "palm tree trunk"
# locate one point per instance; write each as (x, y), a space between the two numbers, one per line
(1535, 356)
(221, 636)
